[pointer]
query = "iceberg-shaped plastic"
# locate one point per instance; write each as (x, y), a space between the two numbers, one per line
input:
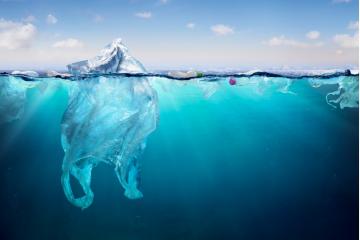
(114, 58)
(107, 120)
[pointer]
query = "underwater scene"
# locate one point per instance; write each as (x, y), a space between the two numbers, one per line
(227, 157)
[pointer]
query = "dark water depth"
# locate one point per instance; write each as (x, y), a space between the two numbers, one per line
(237, 165)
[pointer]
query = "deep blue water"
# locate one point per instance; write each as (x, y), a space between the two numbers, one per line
(237, 165)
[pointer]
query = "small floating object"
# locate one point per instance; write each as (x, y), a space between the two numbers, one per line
(183, 74)
(199, 74)
(232, 81)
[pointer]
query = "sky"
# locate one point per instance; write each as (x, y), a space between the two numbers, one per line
(182, 34)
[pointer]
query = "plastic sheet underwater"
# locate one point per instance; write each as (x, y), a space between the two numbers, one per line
(265, 158)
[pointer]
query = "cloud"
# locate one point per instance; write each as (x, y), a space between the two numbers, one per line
(346, 40)
(15, 35)
(29, 19)
(284, 41)
(51, 19)
(313, 35)
(353, 25)
(98, 18)
(341, 1)
(145, 15)
(222, 30)
(163, 1)
(190, 25)
(68, 43)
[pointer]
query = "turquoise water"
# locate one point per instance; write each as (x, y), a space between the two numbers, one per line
(243, 163)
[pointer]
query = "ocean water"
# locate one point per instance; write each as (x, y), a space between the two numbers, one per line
(266, 158)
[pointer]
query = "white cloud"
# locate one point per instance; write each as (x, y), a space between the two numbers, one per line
(346, 40)
(145, 15)
(222, 30)
(341, 1)
(353, 25)
(313, 35)
(190, 25)
(68, 43)
(163, 1)
(29, 19)
(283, 41)
(15, 35)
(98, 18)
(51, 19)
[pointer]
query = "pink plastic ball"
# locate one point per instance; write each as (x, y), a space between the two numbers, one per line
(232, 81)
